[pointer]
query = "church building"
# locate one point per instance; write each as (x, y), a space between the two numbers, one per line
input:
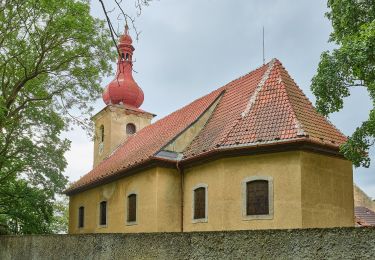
(253, 154)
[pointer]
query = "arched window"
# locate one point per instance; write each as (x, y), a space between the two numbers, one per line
(81, 217)
(132, 208)
(130, 129)
(122, 55)
(103, 213)
(102, 133)
(127, 56)
(200, 203)
(258, 197)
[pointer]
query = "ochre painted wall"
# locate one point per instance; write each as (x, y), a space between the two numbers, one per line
(158, 207)
(114, 119)
(327, 191)
(309, 190)
(224, 180)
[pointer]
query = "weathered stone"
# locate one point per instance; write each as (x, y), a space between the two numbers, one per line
(337, 243)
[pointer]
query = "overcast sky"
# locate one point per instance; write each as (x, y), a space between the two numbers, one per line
(189, 48)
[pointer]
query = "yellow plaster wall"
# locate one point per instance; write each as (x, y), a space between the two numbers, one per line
(168, 200)
(114, 119)
(102, 118)
(224, 179)
(327, 191)
(158, 204)
(309, 190)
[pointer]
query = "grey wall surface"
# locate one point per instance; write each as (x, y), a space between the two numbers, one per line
(338, 243)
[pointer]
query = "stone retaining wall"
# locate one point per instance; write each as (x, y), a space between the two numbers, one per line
(337, 243)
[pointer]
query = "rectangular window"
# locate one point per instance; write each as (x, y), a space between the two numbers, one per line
(257, 201)
(103, 213)
(200, 203)
(81, 217)
(132, 208)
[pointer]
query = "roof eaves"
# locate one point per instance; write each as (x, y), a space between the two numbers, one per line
(303, 143)
(145, 165)
(233, 150)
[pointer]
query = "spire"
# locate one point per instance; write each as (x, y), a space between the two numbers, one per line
(126, 27)
(123, 89)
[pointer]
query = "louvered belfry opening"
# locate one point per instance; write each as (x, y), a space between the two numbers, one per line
(132, 208)
(200, 203)
(103, 213)
(81, 217)
(257, 202)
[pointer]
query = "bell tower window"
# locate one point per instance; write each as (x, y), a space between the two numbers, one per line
(102, 133)
(130, 129)
(127, 56)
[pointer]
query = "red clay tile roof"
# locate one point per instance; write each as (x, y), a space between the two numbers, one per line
(262, 107)
(148, 141)
(253, 112)
(364, 216)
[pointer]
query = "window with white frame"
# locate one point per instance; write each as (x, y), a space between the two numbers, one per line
(257, 196)
(200, 203)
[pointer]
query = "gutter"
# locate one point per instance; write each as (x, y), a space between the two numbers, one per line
(230, 151)
(181, 171)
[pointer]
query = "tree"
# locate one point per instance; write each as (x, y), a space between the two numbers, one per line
(117, 7)
(61, 216)
(53, 54)
(351, 65)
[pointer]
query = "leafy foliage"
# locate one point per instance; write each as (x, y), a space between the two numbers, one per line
(352, 64)
(61, 216)
(52, 56)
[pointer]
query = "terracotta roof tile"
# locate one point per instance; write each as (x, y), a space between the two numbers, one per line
(143, 145)
(264, 106)
(364, 216)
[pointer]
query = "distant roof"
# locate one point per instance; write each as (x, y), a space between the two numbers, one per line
(264, 107)
(364, 216)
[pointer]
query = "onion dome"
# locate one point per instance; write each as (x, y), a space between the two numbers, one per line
(123, 89)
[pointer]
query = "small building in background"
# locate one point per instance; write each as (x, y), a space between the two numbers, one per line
(364, 217)
(364, 208)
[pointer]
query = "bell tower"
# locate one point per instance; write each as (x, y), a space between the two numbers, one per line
(122, 117)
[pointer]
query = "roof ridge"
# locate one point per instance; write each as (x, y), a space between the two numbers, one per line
(306, 99)
(299, 126)
(258, 88)
(252, 99)
(246, 74)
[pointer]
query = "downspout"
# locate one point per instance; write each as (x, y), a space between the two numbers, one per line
(181, 171)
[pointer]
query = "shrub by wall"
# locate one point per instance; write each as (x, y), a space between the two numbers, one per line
(337, 243)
